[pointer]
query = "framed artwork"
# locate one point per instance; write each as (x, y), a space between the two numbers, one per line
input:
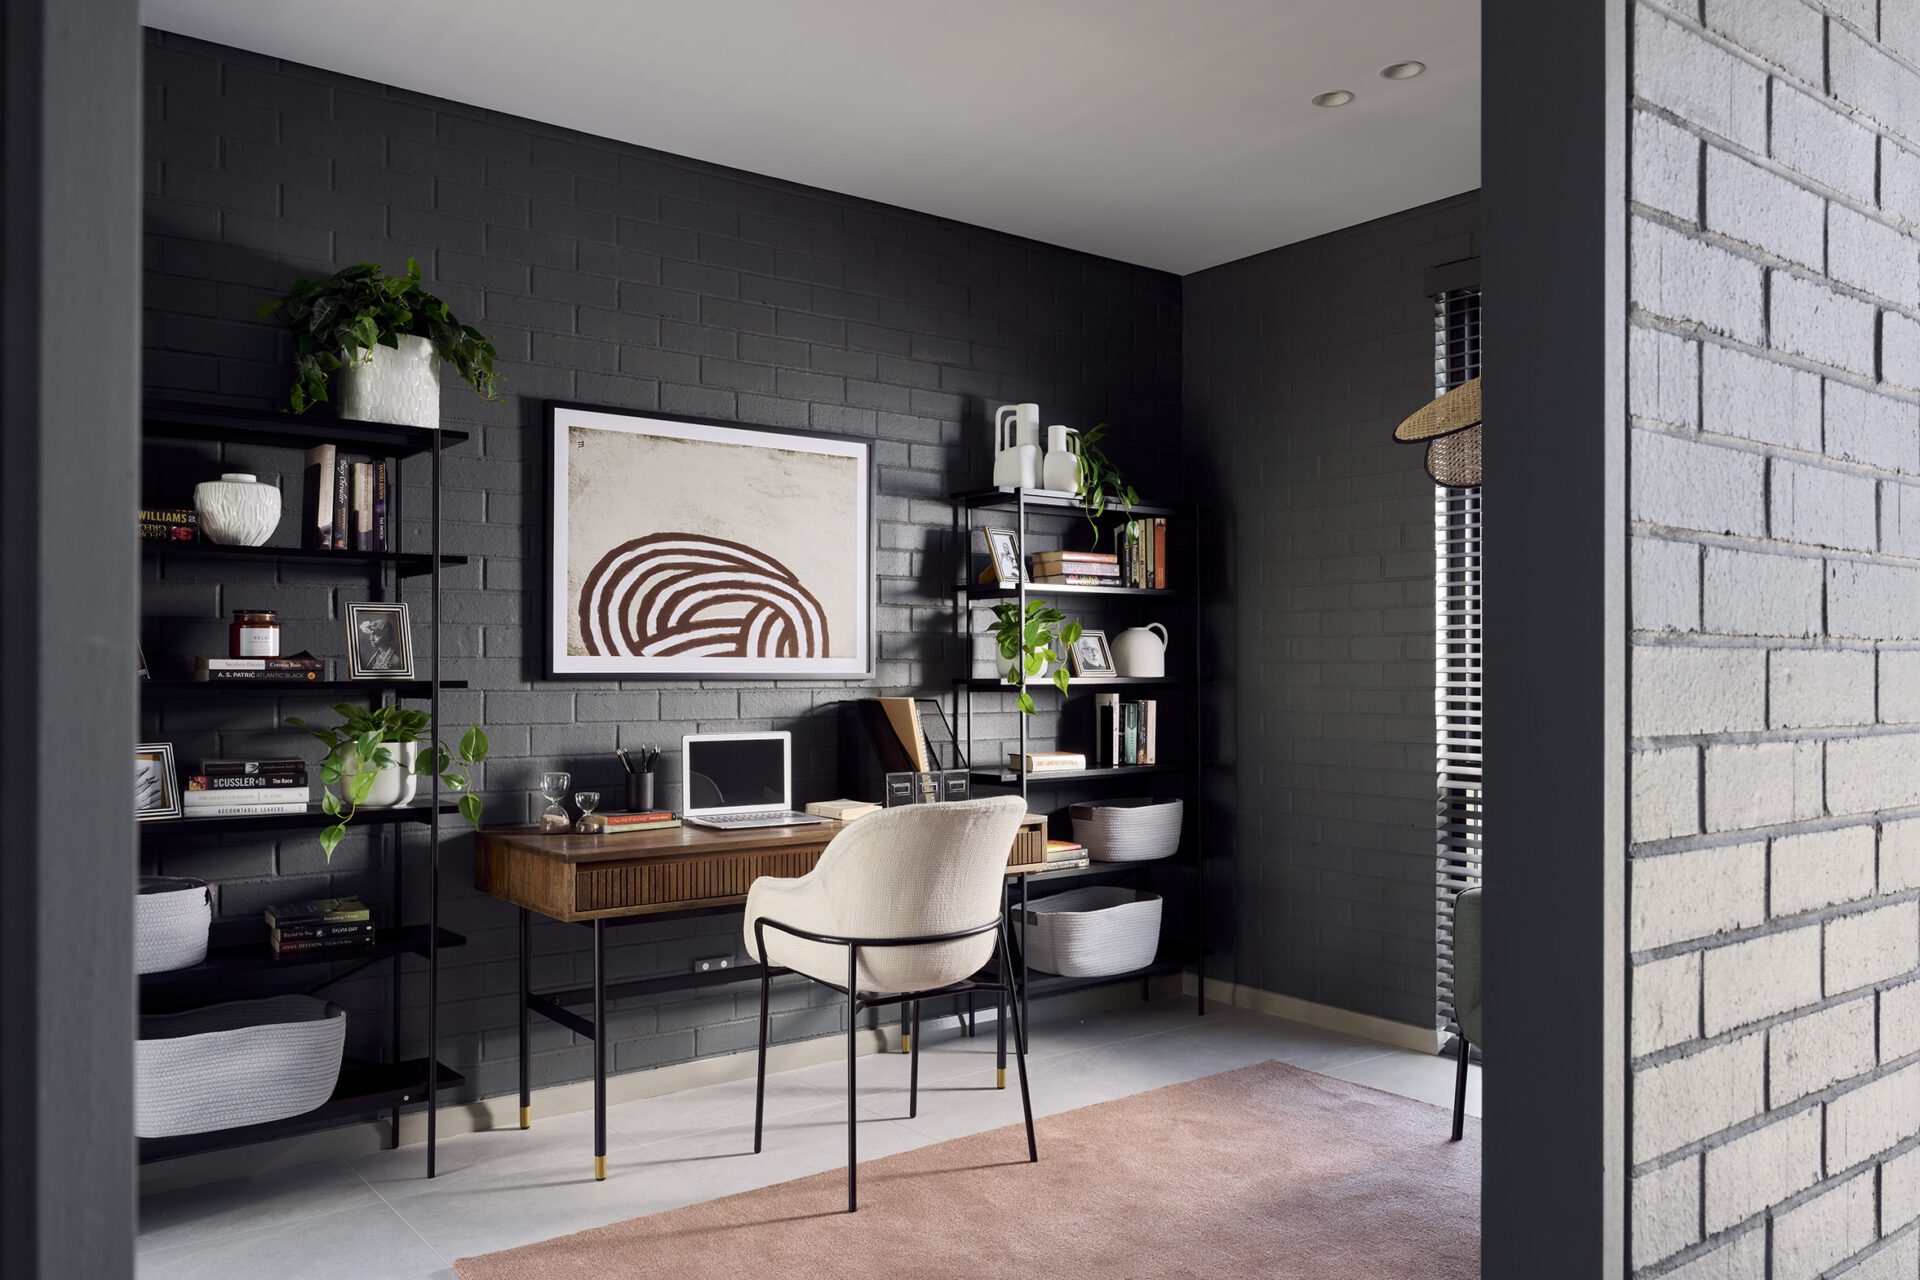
(1003, 549)
(379, 642)
(156, 786)
(685, 547)
(1090, 655)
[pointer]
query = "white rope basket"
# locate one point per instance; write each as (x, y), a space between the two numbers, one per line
(1091, 932)
(171, 916)
(240, 1063)
(1129, 830)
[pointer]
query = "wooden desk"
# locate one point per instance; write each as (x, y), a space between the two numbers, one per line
(612, 879)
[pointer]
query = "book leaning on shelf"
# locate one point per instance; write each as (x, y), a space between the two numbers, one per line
(344, 502)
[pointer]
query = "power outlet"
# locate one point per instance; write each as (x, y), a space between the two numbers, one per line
(709, 966)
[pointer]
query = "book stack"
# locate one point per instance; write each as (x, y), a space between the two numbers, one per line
(617, 822)
(1126, 731)
(1143, 553)
(319, 924)
(1047, 761)
(1077, 568)
(169, 524)
(244, 788)
(346, 502)
(302, 666)
(842, 810)
(1066, 855)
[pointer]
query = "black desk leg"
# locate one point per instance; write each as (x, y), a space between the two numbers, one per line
(526, 989)
(599, 1051)
(1021, 1030)
(1000, 1010)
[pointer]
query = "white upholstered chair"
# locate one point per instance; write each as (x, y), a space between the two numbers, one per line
(904, 904)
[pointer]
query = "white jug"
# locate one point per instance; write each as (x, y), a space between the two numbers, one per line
(1138, 653)
(1061, 471)
(1016, 446)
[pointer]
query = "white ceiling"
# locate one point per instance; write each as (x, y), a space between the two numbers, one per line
(1171, 133)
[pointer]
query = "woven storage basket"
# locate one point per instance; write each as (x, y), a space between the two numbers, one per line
(1091, 932)
(1129, 830)
(227, 1065)
(171, 916)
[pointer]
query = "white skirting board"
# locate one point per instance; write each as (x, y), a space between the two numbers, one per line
(503, 1111)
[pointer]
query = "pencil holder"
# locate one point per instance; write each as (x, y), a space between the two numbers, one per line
(640, 792)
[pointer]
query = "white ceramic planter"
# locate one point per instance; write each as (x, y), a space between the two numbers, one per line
(237, 509)
(394, 785)
(401, 385)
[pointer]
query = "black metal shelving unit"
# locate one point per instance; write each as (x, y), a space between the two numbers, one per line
(1186, 764)
(238, 956)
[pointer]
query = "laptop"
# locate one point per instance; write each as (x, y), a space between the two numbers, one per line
(738, 781)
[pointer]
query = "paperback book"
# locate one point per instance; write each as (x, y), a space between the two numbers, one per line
(317, 911)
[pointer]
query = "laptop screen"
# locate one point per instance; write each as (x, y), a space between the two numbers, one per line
(736, 773)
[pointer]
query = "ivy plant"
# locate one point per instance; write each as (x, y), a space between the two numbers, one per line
(1100, 481)
(358, 749)
(1028, 643)
(341, 319)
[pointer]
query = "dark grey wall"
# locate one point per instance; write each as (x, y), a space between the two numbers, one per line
(69, 351)
(605, 273)
(1299, 364)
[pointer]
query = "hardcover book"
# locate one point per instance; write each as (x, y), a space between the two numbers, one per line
(380, 541)
(317, 498)
(342, 502)
(363, 506)
(317, 911)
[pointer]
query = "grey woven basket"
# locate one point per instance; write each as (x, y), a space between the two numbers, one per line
(1129, 830)
(171, 916)
(239, 1063)
(1091, 932)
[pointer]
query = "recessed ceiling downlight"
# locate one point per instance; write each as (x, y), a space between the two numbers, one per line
(1402, 70)
(1335, 98)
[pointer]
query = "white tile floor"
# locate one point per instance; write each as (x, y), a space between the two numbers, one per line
(376, 1218)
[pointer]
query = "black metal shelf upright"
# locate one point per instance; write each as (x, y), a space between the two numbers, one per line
(239, 956)
(969, 596)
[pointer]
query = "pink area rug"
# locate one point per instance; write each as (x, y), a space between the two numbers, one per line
(1267, 1172)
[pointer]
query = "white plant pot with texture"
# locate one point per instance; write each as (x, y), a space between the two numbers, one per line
(400, 386)
(394, 785)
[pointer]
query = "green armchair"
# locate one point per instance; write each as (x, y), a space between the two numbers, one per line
(1467, 993)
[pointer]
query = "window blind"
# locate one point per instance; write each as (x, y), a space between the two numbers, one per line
(1457, 660)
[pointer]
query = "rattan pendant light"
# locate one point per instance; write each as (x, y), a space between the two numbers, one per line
(1450, 424)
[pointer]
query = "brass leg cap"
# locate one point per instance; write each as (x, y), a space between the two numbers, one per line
(1000, 1080)
(599, 1168)
(526, 1117)
(906, 1042)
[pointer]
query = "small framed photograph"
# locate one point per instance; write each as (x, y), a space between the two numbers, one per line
(1003, 549)
(1091, 656)
(156, 787)
(379, 642)
(142, 650)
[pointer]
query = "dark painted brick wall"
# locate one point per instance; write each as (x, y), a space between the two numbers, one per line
(1299, 364)
(605, 273)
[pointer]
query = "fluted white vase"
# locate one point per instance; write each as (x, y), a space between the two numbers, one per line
(398, 385)
(237, 509)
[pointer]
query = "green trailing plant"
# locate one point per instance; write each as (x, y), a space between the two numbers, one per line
(1100, 482)
(343, 318)
(1028, 643)
(358, 749)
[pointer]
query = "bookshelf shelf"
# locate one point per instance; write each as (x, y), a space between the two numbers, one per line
(406, 564)
(187, 689)
(174, 437)
(1182, 736)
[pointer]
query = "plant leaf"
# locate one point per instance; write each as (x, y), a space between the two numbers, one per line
(330, 838)
(1026, 704)
(470, 808)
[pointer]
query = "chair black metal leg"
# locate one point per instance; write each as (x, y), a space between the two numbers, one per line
(1020, 1058)
(853, 1115)
(760, 1085)
(526, 985)
(913, 1069)
(600, 1039)
(1000, 1038)
(1460, 1090)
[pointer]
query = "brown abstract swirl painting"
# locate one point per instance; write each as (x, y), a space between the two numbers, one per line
(681, 594)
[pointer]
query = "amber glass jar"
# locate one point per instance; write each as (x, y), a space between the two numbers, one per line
(255, 634)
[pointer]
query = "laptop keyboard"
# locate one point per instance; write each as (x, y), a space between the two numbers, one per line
(750, 819)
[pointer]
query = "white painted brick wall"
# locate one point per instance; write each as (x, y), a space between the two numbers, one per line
(1784, 858)
(1810, 1053)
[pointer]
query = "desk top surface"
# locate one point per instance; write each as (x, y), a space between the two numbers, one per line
(674, 842)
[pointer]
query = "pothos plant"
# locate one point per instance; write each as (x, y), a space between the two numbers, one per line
(359, 749)
(1100, 481)
(1027, 644)
(343, 318)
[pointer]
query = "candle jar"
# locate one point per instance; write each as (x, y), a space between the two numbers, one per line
(255, 633)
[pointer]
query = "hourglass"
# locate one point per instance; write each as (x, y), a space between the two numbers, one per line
(588, 802)
(554, 786)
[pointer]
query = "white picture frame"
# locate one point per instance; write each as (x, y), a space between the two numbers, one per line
(694, 548)
(1091, 656)
(156, 783)
(379, 641)
(1003, 554)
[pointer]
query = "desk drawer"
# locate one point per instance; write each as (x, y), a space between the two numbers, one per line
(664, 883)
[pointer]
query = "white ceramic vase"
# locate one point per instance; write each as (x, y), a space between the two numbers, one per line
(1141, 652)
(237, 509)
(400, 386)
(1061, 471)
(394, 785)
